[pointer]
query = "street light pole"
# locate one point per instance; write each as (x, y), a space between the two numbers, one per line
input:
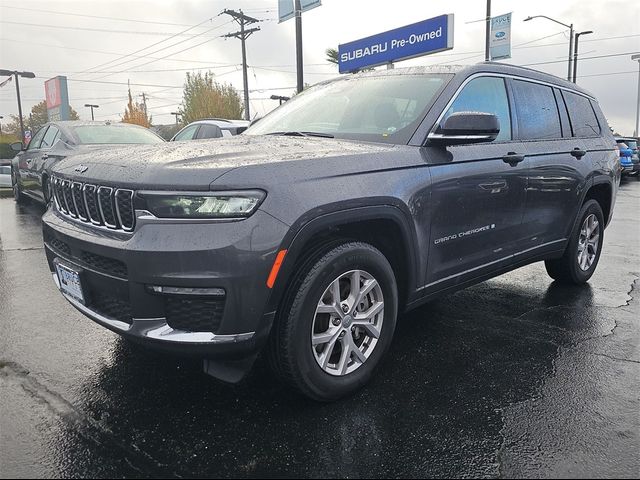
(1, 117)
(570, 27)
(637, 132)
(176, 114)
(17, 74)
(487, 54)
(575, 53)
(91, 107)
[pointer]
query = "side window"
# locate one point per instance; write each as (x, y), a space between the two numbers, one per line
(209, 131)
(583, 118)
(187, 133)
(50, 138)
(537, 111)
(485, 94)
(37, 138)
(564, 116)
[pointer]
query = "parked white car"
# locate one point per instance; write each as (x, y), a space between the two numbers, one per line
(5, 176)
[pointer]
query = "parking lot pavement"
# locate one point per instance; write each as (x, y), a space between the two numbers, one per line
(515, 377)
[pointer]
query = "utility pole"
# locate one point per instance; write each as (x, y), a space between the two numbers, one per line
(1, 117)
(243, 20)
(177, 114)
(144, 102)
(487, 54)
(299, 59)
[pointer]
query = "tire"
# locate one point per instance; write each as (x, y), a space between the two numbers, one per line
(18, 196)
(572, 267)
(293, 357)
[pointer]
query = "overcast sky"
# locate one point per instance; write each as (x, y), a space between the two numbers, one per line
(58, 37)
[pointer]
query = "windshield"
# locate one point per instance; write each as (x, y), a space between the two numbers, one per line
(632, 144)
(385, 108)
(103, 134)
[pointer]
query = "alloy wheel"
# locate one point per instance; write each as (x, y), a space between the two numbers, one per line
(347, 322)
(588, 242)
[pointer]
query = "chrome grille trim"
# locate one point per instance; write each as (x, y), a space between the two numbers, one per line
(90, 190)
(66, 194)
(104, 218)
(78, 187)
(126, 228)
(90, 206)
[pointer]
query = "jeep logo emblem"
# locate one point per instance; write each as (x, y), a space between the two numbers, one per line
(81, 168)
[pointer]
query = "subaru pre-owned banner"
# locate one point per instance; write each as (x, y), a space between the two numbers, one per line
(422, 38)
(500, 43)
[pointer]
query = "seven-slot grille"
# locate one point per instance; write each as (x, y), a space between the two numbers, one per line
(97, 204)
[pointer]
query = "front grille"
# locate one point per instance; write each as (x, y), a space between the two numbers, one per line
(111, 307)
(105, 265)
(96, 204)
(194, 314)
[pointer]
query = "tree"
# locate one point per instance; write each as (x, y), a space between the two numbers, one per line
(136, 113)
(205, 98)
(35, 120)
(332, 55)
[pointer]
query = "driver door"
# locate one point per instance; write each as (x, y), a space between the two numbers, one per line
(477, 198)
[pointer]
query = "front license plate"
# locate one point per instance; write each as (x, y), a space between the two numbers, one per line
(70, 282)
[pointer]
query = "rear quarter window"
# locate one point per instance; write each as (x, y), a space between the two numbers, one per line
(583, 119)
(536, 110)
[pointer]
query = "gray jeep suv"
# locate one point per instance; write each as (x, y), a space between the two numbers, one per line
(359, 199)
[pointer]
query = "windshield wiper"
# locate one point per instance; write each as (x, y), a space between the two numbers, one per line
(293, 133)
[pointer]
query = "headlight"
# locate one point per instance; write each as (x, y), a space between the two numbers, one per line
(203, 205)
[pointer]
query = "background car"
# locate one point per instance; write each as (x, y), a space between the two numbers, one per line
(211, 128)
(628, 159)
(5, 176)
(56, 140)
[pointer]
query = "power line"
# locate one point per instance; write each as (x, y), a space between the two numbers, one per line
(159, 50)
(56, 12)
(147, 47)
(582, 58)
(88, 29)
(119, 54)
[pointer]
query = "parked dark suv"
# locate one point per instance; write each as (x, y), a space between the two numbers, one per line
(361, 198)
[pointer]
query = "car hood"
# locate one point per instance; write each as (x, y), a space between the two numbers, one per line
(196, 164)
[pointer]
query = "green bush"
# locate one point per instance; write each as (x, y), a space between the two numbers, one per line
(6, 151)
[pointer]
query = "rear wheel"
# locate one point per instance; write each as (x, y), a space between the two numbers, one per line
(582, 254)
(336, 323)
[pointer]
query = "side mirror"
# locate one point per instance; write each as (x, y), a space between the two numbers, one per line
(17, 146)
(466, 127)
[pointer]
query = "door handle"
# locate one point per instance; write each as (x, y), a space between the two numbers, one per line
(494, 186)
(578, 153)
(513, 158)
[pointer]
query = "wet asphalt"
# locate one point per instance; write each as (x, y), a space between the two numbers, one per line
(515, 377)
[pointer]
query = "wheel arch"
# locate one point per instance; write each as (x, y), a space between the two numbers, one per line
(601, 191)
(386, 227)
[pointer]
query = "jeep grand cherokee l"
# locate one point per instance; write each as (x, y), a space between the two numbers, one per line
(360, 198)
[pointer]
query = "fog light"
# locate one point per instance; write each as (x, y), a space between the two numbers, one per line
(215, 292)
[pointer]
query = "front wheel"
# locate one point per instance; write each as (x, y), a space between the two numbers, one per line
(18, 196)
(582, 254)
(337, 322)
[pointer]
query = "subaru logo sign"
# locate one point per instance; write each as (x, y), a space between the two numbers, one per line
(500, 34)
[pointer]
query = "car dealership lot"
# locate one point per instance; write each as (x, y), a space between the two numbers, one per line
(517, 376)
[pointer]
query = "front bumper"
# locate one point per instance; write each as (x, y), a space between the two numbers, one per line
(234, 257)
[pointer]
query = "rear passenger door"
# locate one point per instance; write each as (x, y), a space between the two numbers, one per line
(555, 175)
(477, 198)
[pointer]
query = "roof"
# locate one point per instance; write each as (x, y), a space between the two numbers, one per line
(482, 67)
